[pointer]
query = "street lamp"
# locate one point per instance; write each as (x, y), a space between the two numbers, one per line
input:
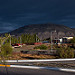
(51, 39)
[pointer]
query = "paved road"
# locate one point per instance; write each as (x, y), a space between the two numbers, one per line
(21, 71)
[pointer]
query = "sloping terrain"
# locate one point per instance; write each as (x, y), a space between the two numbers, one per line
(44, 30)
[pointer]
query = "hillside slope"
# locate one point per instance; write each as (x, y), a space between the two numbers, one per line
(44, 30)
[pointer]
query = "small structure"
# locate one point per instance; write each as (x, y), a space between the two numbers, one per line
(62, 40)
(66, 39)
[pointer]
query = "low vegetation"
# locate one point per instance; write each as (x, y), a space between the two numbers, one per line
(63, 52)
(41, 47)
(21, 56)
(6, 50)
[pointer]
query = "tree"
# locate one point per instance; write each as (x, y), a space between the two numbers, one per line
(6, 50)
(6, 35)
(27, 38)
(73, 42)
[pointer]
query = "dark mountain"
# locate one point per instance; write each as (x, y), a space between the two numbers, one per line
(44, 30)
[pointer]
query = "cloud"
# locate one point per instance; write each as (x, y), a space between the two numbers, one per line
(6, 27)
(16, 13)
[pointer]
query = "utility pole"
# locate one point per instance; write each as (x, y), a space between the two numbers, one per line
(51, 40)
(20, 40)
(36, 38)
(10, 39)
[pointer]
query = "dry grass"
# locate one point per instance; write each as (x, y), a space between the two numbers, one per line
(21, 56)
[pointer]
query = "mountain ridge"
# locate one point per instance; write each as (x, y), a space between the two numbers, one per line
(44, 30)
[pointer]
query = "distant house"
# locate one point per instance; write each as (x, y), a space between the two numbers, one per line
(62, 40)
(66, 39)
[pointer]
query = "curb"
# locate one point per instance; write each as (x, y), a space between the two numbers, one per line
(4, 65)
(40, 60)
(36, 67)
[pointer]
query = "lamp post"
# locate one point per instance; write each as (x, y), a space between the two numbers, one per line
(51, 39)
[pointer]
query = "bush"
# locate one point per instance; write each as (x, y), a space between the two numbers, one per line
(6, 50)
(65, 52)
(40, 47)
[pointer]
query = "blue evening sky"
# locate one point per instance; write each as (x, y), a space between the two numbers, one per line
(17, 13)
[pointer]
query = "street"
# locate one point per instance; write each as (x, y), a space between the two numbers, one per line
(21, 71)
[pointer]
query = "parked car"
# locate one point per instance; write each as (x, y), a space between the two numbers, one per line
(17, 45)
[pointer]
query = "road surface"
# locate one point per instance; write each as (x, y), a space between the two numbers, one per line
(21, 71)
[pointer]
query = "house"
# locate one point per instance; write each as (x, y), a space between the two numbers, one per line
(66, 39)
(62, 40)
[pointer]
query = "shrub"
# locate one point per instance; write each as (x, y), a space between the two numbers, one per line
(65, 52)
(41, 47)
(6, 50)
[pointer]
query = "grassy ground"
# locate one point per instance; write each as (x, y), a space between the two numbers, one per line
(26, 47)
(21, 56)
(18, 55)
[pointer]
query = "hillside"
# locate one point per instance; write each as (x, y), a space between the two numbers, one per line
(44, 30)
